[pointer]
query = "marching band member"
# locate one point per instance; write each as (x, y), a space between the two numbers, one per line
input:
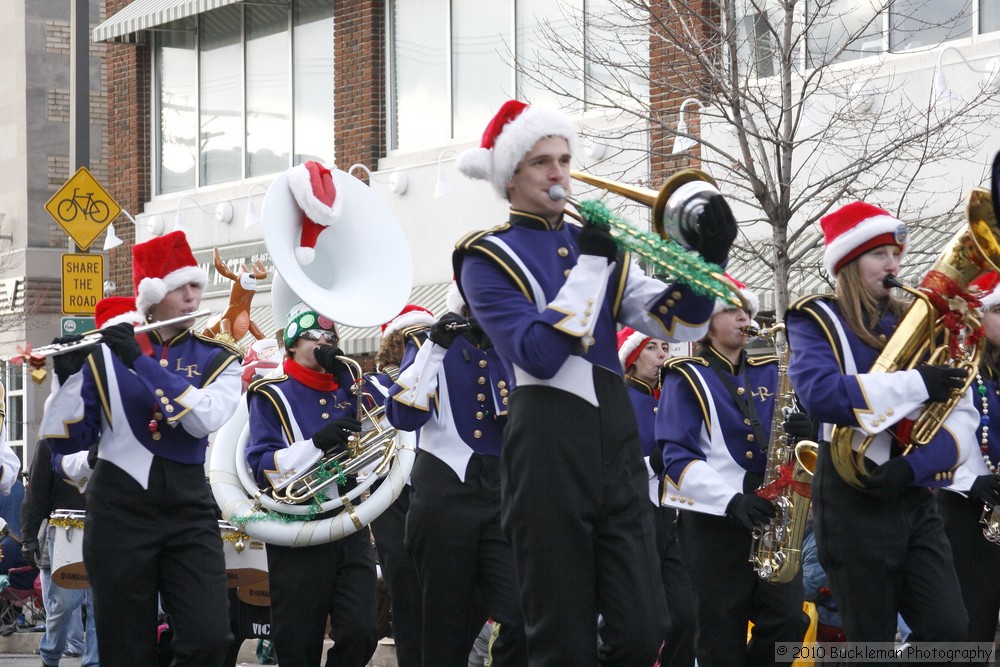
(452, 387)
(714, 425)
(883, 548)
(642, 359)
(548, 294)
(151, 519)
(294, 420)
(976, 484)
(389, 528)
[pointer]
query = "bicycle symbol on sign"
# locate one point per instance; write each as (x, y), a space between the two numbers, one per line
(85, 205)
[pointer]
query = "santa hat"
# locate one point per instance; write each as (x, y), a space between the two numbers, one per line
(748, 295)
(312, 187)
(113, 310)
(511, 133)
(985, 289)
(411, 316)
(454, 300)
(303, 318)
(161, 265)
(854, 229)
(630, 344)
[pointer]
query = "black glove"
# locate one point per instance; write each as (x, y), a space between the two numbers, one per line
(890, 479)
(444, 335)
(717, 230)
(940, 380)
(326, 356)
(92, 455)
(987, 489)
(750, 509)
(334, 436)
(30, 551)
(68, 363)
(121, 339)
(799, 426)
(656, 461)
(596, 240)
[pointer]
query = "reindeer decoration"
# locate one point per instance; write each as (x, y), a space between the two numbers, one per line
(236, 322)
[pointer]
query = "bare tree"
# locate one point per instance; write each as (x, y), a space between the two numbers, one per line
(782, 120)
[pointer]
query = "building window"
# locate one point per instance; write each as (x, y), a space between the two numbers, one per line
(989, 16)
(842, 30)
(13, 378)
(243, 91)
(451, 61)
(917, 23)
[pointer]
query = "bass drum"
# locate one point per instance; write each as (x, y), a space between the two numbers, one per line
(264, 518)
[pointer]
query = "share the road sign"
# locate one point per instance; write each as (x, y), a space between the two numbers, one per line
(83, 208)
(82, 283)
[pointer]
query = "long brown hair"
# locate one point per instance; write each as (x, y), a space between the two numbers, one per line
(859, 308)
(390, 351)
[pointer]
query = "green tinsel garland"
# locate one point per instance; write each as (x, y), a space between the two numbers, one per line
(669, 256)
(323, 473)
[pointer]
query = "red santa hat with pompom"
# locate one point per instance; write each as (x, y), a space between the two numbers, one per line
(411, 316)
(985, 288)
(161, 265)
(312, 187)
(112, 310)
(748, 295)
(630, 344)
(854, 229)
(510, 134)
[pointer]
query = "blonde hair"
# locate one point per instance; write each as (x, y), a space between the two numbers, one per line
(390, 351)
(860, 309)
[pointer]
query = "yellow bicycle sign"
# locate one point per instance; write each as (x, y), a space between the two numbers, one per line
(83, 208)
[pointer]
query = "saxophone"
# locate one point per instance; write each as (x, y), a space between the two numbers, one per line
(776, 551)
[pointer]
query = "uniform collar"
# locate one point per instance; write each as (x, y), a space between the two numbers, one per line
(176, 340)
(642, 387)
(532, 221)
(714, 356)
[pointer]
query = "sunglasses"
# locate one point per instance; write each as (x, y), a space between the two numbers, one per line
(317, 334)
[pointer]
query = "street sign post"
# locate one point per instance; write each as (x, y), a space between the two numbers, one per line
(82, 283)
(83, 208)
(76, 325)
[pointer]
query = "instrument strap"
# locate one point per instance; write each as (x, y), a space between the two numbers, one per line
(744, 402)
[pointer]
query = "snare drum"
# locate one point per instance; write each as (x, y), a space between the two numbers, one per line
(66, 533)
(246, 561)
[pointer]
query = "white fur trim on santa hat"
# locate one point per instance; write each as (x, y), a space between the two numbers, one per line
(631, 344)
(748, 295)
(858, 235)
(300, 184)
(153, 290)
(517, 138)
(453, 299)
(131, 317)
(412, 318)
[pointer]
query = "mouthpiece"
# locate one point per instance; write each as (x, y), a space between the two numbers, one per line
(891, 281)
(557, 192)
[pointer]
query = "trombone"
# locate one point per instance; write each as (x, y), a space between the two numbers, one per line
(675, 206)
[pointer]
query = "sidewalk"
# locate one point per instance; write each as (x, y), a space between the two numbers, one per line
(16, 651)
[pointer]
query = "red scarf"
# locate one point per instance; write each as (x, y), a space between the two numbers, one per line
(319, 380)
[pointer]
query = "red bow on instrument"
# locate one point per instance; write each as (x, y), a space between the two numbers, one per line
(785, 479)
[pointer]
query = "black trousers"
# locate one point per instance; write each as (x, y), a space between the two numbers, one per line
(576, 509)
(162, 540)
(402, 579)
(678, 643)
(884, 557)
(730, 593)
(977, 563)
(308, 584)
(465, 562)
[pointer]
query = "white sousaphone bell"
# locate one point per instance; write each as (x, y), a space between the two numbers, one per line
(340, 284)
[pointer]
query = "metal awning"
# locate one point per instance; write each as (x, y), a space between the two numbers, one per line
(145, 14)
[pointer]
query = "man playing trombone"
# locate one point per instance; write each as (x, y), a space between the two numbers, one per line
(151, 527)
(572, 477)
(295, 420)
